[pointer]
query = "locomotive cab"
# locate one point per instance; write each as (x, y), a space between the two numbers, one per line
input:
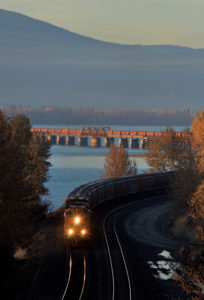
(77, 225)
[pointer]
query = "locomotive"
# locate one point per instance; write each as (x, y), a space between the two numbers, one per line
(77, 223)
(80, 202)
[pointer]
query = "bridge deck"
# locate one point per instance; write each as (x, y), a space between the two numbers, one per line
(100, 133)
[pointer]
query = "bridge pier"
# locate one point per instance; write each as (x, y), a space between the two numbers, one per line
(143, 143)
(123, 142)
(60, 140)
(52, 139)
(82, 141)
(70, 140)
(134, 143)
(108, 142)
(96, 142)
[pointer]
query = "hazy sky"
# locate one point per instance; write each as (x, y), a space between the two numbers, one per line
(178, 22)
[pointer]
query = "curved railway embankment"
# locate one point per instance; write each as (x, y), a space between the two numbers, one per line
(78, 205)
(50, 276)
(94, 194)
(120, 254)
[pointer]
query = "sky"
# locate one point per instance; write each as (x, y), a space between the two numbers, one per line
(175, 22)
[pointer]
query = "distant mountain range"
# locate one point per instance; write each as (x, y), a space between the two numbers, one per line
(41, 64)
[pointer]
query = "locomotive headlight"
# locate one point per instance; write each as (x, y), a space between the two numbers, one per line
(83, 232)
(70, 231)
(77, 220)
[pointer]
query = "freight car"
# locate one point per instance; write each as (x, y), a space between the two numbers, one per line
(80, 202)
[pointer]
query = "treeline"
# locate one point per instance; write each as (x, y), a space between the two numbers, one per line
(53, 115)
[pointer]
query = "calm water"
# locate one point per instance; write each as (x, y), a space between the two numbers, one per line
(73, 165)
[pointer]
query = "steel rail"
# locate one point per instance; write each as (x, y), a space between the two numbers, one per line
(70, 274)
(84, 279)
(123, 256)
(110, 258)
(109, 251)
(120, 247)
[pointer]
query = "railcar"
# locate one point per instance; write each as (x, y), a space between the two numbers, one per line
(80, 202)
(142, 133)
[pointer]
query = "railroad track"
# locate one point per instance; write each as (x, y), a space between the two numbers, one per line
(76, 279)
(121, 283)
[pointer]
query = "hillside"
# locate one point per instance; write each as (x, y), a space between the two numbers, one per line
(41, 64)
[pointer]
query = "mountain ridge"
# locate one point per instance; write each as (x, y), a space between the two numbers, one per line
(41, 64)
(66, 31)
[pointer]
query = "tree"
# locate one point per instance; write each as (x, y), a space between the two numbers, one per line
(117, 163)
(185, 181)
(165, 153)
(188, 191)
(196, 203)
(172, 152)
(190, 271)
(23, 172)
(198, 138)
(192, 266)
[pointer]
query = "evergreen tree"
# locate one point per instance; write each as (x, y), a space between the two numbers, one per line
(23, 172)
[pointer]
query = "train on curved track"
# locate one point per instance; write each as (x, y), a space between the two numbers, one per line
(81, 201)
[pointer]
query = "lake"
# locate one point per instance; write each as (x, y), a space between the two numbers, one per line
(73, 165)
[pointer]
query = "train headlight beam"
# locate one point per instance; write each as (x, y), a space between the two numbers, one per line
(77, 220)
(83, 232)
(70, 231)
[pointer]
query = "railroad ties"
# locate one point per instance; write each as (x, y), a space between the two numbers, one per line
(98, 137)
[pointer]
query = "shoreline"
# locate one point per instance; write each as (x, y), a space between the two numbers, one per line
(139, 155)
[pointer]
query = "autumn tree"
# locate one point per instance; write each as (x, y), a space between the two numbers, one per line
(191, 268)
(190, 273)
(198, 139)
(185, 180)
(192, 263)
(196, 202)
(165, 152)
(117, 163)
(188, 190)
(23, 172)
(173, 152)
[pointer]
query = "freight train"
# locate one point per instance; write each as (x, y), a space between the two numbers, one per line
(77, 222)
(80, 202)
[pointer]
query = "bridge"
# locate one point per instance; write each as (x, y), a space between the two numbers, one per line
(100, 136)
